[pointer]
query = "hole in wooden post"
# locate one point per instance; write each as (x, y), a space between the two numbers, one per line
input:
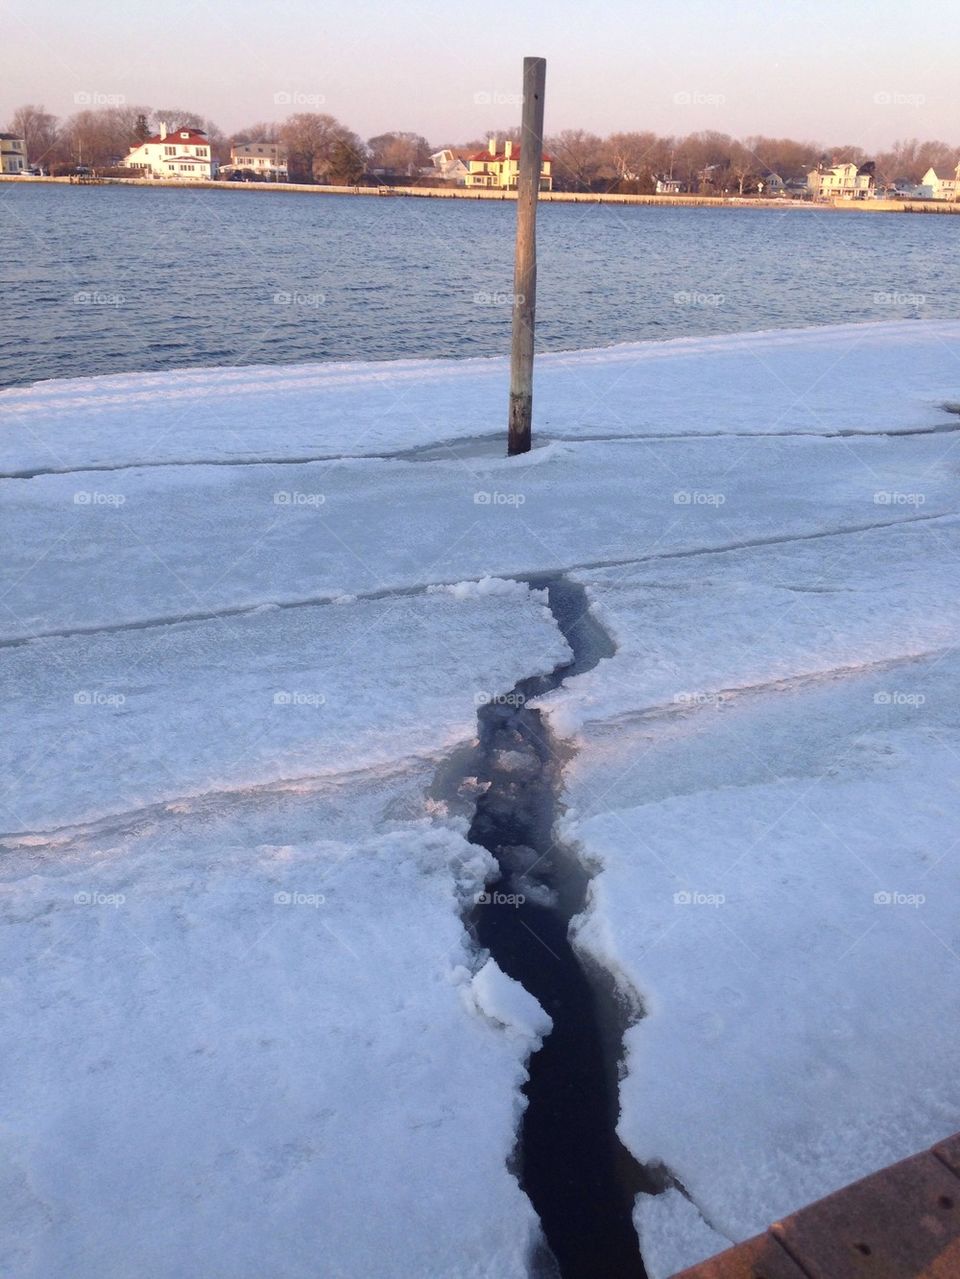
(864, 1248)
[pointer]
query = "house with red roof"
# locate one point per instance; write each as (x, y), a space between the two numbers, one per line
(498, 169)
(181, 154)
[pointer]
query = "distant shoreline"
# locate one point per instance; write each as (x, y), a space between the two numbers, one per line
(547, 197)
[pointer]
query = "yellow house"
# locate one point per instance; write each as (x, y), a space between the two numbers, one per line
(13, 153)
(498, 169)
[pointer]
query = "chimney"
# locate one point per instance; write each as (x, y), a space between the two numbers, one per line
(508, 149)
(492, 145)
(163, 129)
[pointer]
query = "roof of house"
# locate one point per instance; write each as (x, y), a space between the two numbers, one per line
(500, 156)
(192, 137)
(258, 146)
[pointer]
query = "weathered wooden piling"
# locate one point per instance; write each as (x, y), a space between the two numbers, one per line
(525, 267)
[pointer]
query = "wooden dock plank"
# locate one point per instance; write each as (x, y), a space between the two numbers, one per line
(902, 1222)
(759, 1258)
(948, 1152)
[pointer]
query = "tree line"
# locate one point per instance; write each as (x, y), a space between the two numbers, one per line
(320, 148)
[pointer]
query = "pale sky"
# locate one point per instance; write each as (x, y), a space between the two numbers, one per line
(843, 72)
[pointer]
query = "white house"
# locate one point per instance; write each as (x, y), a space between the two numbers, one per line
(904, 189)
(266, 161)
(13, 153)
(448, 165)
(841, 181)
(942, 187)
(183, 154)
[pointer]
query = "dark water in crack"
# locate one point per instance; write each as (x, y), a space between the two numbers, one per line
(579, 1177)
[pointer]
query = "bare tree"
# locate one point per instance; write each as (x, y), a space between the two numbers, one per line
(101, 136)
(310, 138)
(262, 131)
(744, 167)
(403, 153)
(846, 154)
(577, 159)
(910, 159)
(788, 158)
(39, 129)
(177, 118)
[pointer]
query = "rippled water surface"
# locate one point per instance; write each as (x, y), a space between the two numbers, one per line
(110, 279)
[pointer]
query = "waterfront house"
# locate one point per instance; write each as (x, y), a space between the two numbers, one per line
(448, 165)
(264, 161)
(498, 169)
(945, 187)
(904, 189)
(841, 181)
(669, 186)
(183, 155)
(13, 153)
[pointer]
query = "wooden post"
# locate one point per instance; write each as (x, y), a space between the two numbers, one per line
(525, 268)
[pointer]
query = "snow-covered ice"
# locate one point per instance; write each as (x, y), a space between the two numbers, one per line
(247, 1031)
(505, 1001)
(674, 1234)
(234, 1058)
(896, 376)
(773, 814)
(181, 542)
(120, 720)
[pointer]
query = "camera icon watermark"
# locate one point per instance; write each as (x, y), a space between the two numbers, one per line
(298, 698)
(91, 98)
(95, 697)
(500, 899)
(896, 98)
(897, 698)
(96, 297)
(716, 700)
(695, 297)
(514, 699)
(881, 298)
(298, 298)
(697, 497)
(686, 897)
(891, 497)
(484, 298)
(88, 497)
(288, 98)
(490, 497)
(697, 98)
(494, 98)
(295, 498)
(94, 898)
